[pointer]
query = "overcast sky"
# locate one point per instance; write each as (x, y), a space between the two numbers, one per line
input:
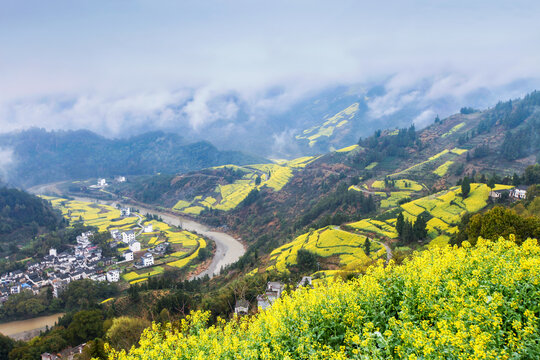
(104, 64)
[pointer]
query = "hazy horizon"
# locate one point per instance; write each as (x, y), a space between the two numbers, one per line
(121, 68)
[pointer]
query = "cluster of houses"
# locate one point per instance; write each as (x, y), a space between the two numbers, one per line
(517, 193)
(84, 261)
(102, 183)
(129, 238)
(274, 289)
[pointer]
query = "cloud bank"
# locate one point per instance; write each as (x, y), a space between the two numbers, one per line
(119, 69)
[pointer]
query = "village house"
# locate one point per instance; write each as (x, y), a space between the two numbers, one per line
(120, 179)
(519, 192)
(148, 228)
(98, 277)
(272, 293)
(499, 194)
(146, 260)
(241, 307)
(128, 255)
(116, 235)
(101, 183)
(125, 212)
(113, 275)
(306, 281)
(128, 236)
(135, 246)
(160, 249)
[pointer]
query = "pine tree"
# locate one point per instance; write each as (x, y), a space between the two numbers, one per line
(367, 246)
(399, 223)
(465, 187)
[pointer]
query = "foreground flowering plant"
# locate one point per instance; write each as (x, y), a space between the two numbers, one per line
(477, 302)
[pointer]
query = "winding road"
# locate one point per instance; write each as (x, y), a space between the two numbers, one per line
(228, 249)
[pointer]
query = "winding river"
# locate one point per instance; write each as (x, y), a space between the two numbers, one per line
(24, 329)
(228, 249)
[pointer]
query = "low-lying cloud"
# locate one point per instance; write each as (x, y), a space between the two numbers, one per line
(6, 163)
(219, 69)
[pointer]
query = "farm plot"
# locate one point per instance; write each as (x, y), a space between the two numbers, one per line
(326, 242)
(184, 244)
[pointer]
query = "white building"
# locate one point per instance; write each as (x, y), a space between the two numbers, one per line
(99, 277)
(120, 179)
(306, 281)
(125, 212)
(128, 255)
(113, 275)
(520, 192)
(241, 307)
(128, 236)
(135, 246)
(52, 252)
(273, 292)
(102, 182)
(148, 228)
(83, 239)
(147, 260)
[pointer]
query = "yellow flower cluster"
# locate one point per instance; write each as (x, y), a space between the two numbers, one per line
(445, 303)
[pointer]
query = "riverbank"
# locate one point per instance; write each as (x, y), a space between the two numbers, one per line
(27, 329)
(228, 249)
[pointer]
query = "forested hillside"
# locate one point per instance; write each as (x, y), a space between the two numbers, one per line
(39, 156)
(22, 217)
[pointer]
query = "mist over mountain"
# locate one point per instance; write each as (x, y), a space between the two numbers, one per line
(38, 156)
(272, 123)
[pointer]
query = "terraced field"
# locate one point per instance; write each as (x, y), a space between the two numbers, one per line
(432, 163)
(393, 194)
(185, 244)
(327, 128)
(326, 242)
(227, 197)
(445, 210)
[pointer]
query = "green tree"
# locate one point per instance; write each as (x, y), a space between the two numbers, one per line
(94, 349)
(399, 223)
(419, 227)
(367, 246)
(465, 187)
(491, 183)
(86, 325)
(500, 221)
(126, 332)
(6, 345)
(306, 260)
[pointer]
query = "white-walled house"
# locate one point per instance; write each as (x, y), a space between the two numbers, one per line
(125, 212)
(101, 182)
(241, 307)
(113, 275)
(148, 228)
(128, 255)
(52, 252)
(147, 260)
(135, 246)
(520, 192)
(128, 236)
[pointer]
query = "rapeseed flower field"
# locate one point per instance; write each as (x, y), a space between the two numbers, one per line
(444, 303)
